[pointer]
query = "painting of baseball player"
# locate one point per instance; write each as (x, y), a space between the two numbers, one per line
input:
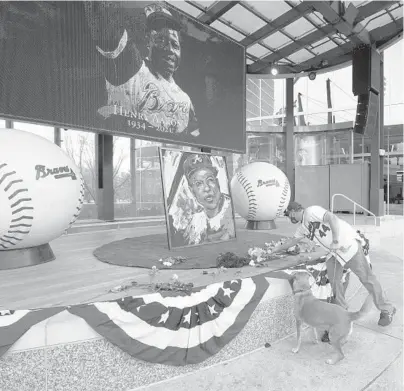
(199, 208)
(143, 87)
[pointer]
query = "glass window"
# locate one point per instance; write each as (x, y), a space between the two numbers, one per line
(268, 147)
(337, 147)
(234, 161)
(148, 186)
(359, 148)
(310, 149)
(80, 146)
(123, 200)
(261, 97)
(392, 170)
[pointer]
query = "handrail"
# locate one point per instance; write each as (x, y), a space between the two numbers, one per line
(355, 204)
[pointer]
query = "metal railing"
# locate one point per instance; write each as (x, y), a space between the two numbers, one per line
(355, 205)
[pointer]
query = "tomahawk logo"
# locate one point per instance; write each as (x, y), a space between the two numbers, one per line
(56, 172)
(270, 182)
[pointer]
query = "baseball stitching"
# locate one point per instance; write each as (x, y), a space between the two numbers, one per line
(79, 204)
(283, 198)
(252, 201)
(21, 207)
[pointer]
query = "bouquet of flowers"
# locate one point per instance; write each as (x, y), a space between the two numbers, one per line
(258, 255)
(173, 285)
(170, 261)
(231, 260)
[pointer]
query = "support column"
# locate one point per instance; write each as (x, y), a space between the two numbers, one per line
(133, 183)
(381, 121)
(329, 102)
(57, 136)
(376, 161)
(9, 124)
(104, 176)
(290, 155)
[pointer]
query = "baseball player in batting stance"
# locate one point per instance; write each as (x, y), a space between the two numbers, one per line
(146, 88)
(344, 243)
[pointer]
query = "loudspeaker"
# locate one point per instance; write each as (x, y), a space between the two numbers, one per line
(367, 114)
(365, 70)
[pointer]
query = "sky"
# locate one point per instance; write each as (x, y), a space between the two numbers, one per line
(314, 92)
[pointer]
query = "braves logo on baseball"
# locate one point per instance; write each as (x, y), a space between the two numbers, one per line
(57, 172)
(270, 182)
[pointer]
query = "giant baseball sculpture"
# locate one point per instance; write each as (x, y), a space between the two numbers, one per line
(260, 192)
(41, 192)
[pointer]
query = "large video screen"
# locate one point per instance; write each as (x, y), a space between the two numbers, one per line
(127, 68)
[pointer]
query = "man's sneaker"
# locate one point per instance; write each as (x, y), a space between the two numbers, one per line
(325, 337)
(386, 317)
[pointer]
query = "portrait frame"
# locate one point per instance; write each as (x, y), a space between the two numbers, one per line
(182, 207)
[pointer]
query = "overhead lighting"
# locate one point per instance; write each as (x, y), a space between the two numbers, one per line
(274, 70)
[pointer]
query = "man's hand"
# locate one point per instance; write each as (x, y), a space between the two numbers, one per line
(335, 246)
(285, 246)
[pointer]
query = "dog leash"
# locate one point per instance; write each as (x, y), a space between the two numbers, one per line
(334, 282)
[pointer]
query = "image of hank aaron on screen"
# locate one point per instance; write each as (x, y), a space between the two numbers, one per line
(199, 208)
(142, 88)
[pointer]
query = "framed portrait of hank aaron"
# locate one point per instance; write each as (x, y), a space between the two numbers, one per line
(197, 198)
(134, 68)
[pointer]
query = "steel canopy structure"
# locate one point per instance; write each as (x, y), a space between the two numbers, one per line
(300, 36)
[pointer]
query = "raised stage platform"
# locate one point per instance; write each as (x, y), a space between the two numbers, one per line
(77, 276)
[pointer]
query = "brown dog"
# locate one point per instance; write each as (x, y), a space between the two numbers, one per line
(319, 314)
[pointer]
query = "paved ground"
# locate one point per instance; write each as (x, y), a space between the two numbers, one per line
(373, 354)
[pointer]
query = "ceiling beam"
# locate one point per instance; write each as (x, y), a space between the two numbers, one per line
(294, 46)
(266, 69)
(379, 36)
(373, 7)
(344, 23)
(388, 31)
(340, 51)
(279, 23)
(216, 10)
(363, 12)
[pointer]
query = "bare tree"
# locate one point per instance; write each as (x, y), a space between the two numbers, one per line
(82, 151)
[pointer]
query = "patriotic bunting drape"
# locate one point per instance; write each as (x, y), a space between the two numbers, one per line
(177, 330)
(170, 328)
(14, 324)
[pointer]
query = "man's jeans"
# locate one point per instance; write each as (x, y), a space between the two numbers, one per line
(360, 266)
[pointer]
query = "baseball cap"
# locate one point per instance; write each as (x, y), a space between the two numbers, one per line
(195, 162)
(157, 16)
(293, 205)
